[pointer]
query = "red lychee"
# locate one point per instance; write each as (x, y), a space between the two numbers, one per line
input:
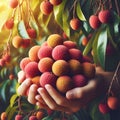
(13, 3)
(18, 117)
(45, 64)
(94, 21)
(46, 7)
(60, 52)
(75, 54)
(75, 23)
(45, 51)
(105, 16)
(70, 44)
(31, 69)
(79, 80)
(26, 43)
(103, 108)
(60, 67)
(32, 33)
(48, 78)
(24, 62)
(9, 23)
(33, 117)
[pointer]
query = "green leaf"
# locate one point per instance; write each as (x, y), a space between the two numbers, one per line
(12, 100)
(58, 12)
(101, 47)
(79, 12)
(66, 26)
(22, 30)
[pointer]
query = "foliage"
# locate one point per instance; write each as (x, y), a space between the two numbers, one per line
(28, 14)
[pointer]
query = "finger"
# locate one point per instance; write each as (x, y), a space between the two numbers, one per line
(57, 97)
(39, 99)
(50, 102)
(81, 92)
(44, 106)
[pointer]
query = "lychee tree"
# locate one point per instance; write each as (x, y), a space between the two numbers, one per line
(24, 24)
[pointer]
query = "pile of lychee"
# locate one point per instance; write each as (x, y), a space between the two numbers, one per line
(56, 62)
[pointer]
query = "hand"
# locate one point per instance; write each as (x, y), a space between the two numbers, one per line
(74, 100)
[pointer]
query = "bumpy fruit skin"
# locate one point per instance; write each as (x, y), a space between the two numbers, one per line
(70, 44)
(31, 70)
(79, 80)
(45, 51)
(75, 54)
(18, 117)
(33, 53)
(13, 3)
(88, 70)
(60, 52)
(64, 83)
(113, 102)
(46, 7)
(55, 2)
(75, 23)
(75, 66)
(48, 78)
(32, 33)
(9, 23)
(105, 16)
(45, 64)
(60, 67)
(24, 62)
(40, 115)
(33, 117)
(94, 22)
(103, 108)
(17, 41)
(54, 40)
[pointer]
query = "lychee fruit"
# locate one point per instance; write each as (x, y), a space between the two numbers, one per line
(26, 43)
(24, 62)
(103, 108)
(32, 33)
(17, 41)
(75, 66)
(60, 67)
(13, 3)
(86, 59)
(113, 102)
(79, 80)
(46, 7)
(88, 70)
(105, 16)
(3, 116)
(40, 115)
(45, 51)
(18, 117)
(84, 41)
(64, 83)
(94, 21)
(75, 54)
(48, 78)
(2, 62)
(60, 52)
(36, 80)
(9, 23)
(55, 2)
(54, 40)
(75, 23)
(45, 64)
(31, 69)
(70, 44)
(33, 117)
(33, 53)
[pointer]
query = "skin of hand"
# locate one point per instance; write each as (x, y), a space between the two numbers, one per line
(76, 98)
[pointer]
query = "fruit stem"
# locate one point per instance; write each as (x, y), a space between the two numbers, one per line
(114, 78)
